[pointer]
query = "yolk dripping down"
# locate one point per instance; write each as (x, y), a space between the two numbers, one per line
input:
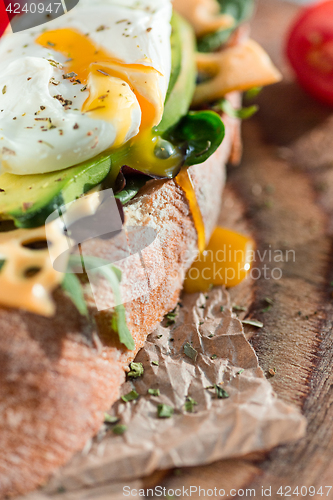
(226, 261)
(111, 82)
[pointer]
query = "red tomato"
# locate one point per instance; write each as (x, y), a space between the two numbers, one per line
(4, 21)
(310, 50)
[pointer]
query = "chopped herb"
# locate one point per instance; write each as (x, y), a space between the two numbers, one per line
(214, 356)
(76, 126)
(84, 88)
(2, 263)
(155, 363)
(240, 371)
(119, 429)
(253, 322)
(164, 411)
(110, 419)
(67, 76)
(136, 370)
(131, 396)
(4, 90)
(51, 44)
(220, 392)
(190, 404)
(154, 392)
(159, 336)
(149, 30)
(270, 303)
(222, 309)
(272, 372)
(239, 308)
(210, 336)
(190, 352)
(101, 28)
(242, 113)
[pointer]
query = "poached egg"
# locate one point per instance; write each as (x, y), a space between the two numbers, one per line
(86, 82)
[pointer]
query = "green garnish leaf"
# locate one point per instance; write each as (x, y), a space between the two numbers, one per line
(110, 419)
(242, 113)
(137, 370)
(190, 352)
(131, 396)
(200, 133)
(119, 429)
(154, 392)
(164, 411)
(253, 322)
(220, 392)
(240, 10)
(73, 289)
(190, 404)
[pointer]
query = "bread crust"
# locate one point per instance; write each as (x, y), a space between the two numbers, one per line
(59, 375)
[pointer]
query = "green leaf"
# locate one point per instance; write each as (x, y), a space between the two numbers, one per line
(199, 133)
(240, 10)
(137, 370)
(73, 289)
(252, 93)
(190, 404)
(119, 429)
(131, 396)
(243, 113)
(154, 392)
(164, 411)
(133, 186)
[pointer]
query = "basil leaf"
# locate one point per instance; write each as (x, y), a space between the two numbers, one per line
(240, 10)
(73, 289)
(243, 113)
(199, 133)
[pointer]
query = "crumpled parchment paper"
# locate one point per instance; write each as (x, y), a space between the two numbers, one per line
(252, 418)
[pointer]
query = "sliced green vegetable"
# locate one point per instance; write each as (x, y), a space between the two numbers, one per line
(199, 133)
(29, 199)
(164, 411)
(176, 53)
(137, 370)
(242, 113)
(73, 289)
(240, 10)
(131, 396)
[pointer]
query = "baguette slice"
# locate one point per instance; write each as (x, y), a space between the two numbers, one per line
(59, 375)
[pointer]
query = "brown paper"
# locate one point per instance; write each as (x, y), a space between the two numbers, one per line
(252, 418)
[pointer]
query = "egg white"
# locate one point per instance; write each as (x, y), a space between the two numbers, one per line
(38, 133)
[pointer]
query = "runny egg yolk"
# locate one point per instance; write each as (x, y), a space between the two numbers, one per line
(225, 261)
(112, 84)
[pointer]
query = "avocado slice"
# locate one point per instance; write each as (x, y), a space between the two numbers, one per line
(176, 54)
(180, 98)
(29, 199)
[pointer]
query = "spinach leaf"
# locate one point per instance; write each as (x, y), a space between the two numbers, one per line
(133, 186)
(199, 134)
(240, 10)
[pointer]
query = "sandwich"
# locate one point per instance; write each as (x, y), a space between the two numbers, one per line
(116, 122)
